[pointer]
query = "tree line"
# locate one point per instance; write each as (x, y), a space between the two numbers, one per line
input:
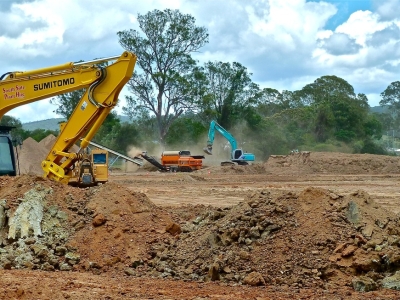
(173, 100)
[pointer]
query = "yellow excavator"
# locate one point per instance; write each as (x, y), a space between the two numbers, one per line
(102, 86)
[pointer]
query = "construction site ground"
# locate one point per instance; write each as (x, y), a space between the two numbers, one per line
(279, 229)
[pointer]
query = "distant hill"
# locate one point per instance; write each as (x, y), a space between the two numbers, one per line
(379, 109)
(53, 124)
(49, 124)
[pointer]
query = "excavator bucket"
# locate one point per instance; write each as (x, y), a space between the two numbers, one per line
(208, 150)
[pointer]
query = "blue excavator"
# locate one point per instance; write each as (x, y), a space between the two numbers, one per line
(238, 156)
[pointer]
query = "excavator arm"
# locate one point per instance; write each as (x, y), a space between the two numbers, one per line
(102, 84)
(237, 155)
(214, 126)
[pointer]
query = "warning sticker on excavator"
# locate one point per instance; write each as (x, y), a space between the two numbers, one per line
(83, 106)
(15, 92)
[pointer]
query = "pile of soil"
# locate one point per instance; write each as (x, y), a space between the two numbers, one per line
(30, 156)
(302, 163)
(313, 239)
(49, 226)
(332, 163)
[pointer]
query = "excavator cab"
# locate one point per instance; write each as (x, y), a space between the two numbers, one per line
(237, 153)
(7, 159)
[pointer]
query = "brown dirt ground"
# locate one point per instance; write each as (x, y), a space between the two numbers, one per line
(199, 235)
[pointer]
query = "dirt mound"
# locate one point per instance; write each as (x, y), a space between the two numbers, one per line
(47, 225)
(336, 163)
(315, 162)
(30, 157)
(256, 168)
(48, 141)
(312, 239)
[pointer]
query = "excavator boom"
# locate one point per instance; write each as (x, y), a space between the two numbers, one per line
(214, 126)
(102, 86)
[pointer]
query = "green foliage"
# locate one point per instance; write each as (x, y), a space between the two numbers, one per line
(391, 101)
(330, 145)
(372, 148)
(39, 134)
(166, 80)
(391, 96)
(230, 93)
(66, 103)
(17, 133)
(345, 135)
(186, 131)
(126, 135)
(107, 131)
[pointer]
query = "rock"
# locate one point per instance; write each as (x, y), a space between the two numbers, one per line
(94, 265)
(349, 250)
(255, 233)
(136, 263)
(81, 224)
(213, 272)
(47, 267)
(65, 267)
(30, 241)
(72, 258)
(3, 214)
(173, 228)
(60, 250)
(254, 279)
(99, 220)
(6, 264)
(364, 284)
(353, 212)
(40, 251)
(392, 282)
(129, 271)
(339, 248)
(62, 215)
(368, 230)
(366, 264)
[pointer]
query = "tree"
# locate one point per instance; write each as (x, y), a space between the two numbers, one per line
(339, 112)
(17, 133)
(391, 99)
(231, 94)
(166, 73)
(67, 102)
(108, 130)
(39, 134)
(126, 135)
(186, 131)
(391, 96)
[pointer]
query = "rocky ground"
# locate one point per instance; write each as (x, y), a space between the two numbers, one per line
(302, 226)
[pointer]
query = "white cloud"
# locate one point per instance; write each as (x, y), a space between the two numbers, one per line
(340, 44)
(387, 9)
(284, 43)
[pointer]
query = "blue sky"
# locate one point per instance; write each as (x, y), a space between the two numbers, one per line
(285, 44)
(345, 9)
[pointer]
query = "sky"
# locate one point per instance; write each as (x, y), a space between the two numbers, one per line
(285, 44)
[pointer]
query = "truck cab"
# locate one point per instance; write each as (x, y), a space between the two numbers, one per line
(7, 158)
